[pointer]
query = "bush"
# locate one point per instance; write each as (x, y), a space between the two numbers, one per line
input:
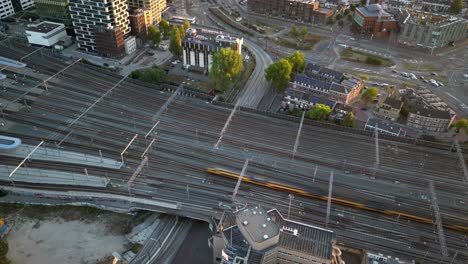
(3, 248)
(364, 77)
(373, 61)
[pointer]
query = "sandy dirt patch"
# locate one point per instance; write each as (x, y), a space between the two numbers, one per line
(51, 239)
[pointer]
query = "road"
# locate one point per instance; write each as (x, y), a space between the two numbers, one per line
(184, 140)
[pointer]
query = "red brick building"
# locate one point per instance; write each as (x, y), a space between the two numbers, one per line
(138, 24)
(373, 21)
(109, 41)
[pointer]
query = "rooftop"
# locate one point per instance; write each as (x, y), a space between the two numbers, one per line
(7, 143)
(393, 102)
(210, 37)
(308, 82)
(44, 27)
(434, 113)
(258, 224)
(373, 10)
(383, 125)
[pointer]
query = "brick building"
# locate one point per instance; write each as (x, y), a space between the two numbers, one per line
(109, 41)
(301, 10)
(389, 108)
(137, 24)
(372, 20)
(430, 120)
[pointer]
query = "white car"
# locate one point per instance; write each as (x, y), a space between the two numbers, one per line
(175, 62)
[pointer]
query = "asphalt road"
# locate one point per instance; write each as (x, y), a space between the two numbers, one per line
(195, 249)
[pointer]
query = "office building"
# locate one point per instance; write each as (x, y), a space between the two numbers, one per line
(155, 8)
(301, 10)
(198, 47)
(86, 15)
(372, 20)
(46, 33)
(56, 11)
(257, 236)
(430, 31)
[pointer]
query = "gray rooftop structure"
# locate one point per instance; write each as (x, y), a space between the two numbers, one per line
(44, 27)
(383, 126)
(294, 238)
(373, 10)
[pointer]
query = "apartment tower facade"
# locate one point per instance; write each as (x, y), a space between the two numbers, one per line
(155, 8)
(87, 14)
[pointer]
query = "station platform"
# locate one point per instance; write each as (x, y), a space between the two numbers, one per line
(42, 176)
(51, 154)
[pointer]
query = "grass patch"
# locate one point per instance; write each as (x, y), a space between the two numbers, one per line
(441, 78)
(420, 67)
(362, 57)
(306, 43)
(136, 248)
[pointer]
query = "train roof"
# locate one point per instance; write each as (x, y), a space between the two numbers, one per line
(7, 143)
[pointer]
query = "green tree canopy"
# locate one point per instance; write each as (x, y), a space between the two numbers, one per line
(364, 77)
(175, 46)
(227, 65)
(186, 26)
(153, 75)
(165, 28)
(319, 112)
(279, 73)
(3, 248)
(154, 35)
(304, 32)
(297, 61)
(456, 6)
(370, 94)
(349, 120)
(294, 31)
(461, 124)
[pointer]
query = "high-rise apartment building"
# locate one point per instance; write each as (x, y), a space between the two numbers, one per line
(87, 14)
(54, 10)
(9, 7)
(6, 8)
(155, 7)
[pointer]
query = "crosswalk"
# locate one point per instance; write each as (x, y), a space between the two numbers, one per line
(374, 52)
(366, 70)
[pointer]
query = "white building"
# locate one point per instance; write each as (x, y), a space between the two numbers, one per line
(25, 4)
(198, 47)
(46, 33)
(130, 45)
(6, 8)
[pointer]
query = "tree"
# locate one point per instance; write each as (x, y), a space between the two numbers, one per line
(461, 124)
(341, 23)
(165, 28)
(346, 12)
(3, 248)
(153, 75)
(456, 6)
(370, 94)
(339, 16)
(227, 65)
(297, 61)
(304, 32)
(349, 120)
(352, 8)
(154, 35)
(294, 31)
(175, 46)
(186, 25)
(319, 112)
(364, 77)
(279, 73)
